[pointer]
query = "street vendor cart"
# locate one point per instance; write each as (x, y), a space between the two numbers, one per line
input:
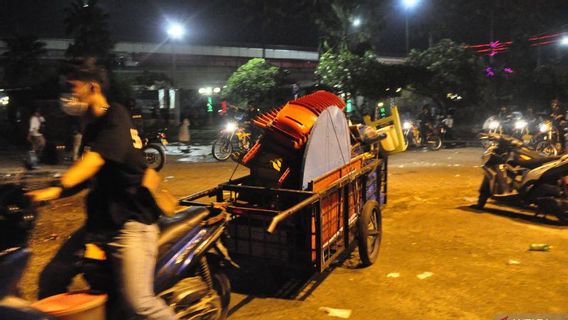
(315, 190)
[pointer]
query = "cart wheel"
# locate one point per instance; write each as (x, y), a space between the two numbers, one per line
(370, 232)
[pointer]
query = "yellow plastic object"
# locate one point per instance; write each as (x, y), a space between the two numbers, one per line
(74, 306)
(392, 127)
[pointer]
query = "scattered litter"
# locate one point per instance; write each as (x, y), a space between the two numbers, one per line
(393, 275)
(457, 175)
(513, 262)
(539, 247)
(169, 177)
(401, 166)
(457, 165)
(339, 313)
(470, 199)
(424, 275)
(51, 237)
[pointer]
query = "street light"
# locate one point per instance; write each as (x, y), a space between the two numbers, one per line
(175, 31)
(408, 5)
(357, 22)
(564, 41)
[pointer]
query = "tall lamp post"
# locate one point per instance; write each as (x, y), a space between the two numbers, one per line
(175, 31)
(408, 5)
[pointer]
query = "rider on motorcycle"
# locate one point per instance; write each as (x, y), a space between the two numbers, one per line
(121, 211)
(426, 122)
(558, 117)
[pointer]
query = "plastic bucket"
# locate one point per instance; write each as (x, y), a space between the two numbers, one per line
(74, 306)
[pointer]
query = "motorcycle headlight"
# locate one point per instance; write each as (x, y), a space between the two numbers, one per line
(544, 127)
(406, 125)
(520, 124)
(494, 125)
(231, 126)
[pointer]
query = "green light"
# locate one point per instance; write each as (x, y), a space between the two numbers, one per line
(348, 106)
(209, 104)
(382, 112)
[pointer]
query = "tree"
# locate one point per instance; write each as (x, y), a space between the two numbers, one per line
(361, 76)
(335, 20)
(87, 23)
(21, 61)
(254, 83)
(451, 71)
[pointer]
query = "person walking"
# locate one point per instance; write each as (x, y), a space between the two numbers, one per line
(35, 137)
(184, 136)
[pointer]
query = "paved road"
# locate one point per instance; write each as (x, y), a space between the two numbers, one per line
(475, 264)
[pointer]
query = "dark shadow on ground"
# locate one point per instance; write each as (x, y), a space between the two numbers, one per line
(516, 214)
(261, 279)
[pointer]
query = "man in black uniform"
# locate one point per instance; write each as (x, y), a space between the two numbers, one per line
(121, 212)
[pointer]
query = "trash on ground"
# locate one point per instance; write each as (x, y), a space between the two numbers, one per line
(424, 275)
(339, 313)
(393, 275)
(513, 262)
(539, 247)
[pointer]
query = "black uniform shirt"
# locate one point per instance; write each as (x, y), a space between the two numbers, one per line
(117, 195)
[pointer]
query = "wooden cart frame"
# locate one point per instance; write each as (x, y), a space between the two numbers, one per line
(307, 229)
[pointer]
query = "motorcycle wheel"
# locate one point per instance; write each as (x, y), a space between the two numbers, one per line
(546, 147)
(484, 193)
(222, 287)
(369, 229)
(154, 156)
(222, 149)
(435, 142)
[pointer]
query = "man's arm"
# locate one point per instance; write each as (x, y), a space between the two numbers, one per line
(81, 171)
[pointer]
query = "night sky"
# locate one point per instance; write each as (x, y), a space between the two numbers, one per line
(228, 22)
(207, 22)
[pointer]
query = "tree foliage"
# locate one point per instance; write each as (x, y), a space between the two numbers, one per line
(21, 61)
(449, 68)
(254, 83)
(335, 18)
(361, 76)
(88, 24)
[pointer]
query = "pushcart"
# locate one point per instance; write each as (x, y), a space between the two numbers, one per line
(306, 229)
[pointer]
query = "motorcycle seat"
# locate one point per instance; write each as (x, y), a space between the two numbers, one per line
(171, 228)
(535, 162)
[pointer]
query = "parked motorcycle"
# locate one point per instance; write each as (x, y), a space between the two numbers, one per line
(547, 140)
(413, 136)
(232, 139)
(188, 277)
(155, 149)
(519, 174)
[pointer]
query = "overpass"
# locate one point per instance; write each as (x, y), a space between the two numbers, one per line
(196, 66)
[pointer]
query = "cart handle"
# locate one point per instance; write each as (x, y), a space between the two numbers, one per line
(288, 212)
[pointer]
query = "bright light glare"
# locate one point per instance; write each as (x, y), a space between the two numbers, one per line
(408, 4)
(176, 31)
(494, 125)
(231, 126)
(520, 124)
(206, 91)
(564, 41)
(216, 90)
(357, 22)
(407, 125)
(544, 127)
